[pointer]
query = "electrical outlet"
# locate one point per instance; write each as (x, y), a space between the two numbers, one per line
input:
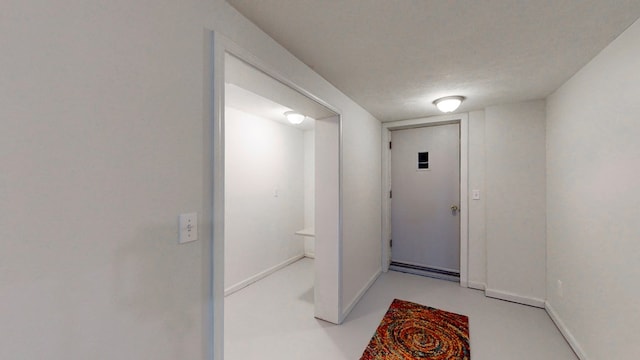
(188, 227)
(475, 194)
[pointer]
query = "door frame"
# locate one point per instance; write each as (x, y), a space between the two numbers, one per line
(387, 127)
(216, 46)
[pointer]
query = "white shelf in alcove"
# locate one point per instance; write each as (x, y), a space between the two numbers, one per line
(310, 231)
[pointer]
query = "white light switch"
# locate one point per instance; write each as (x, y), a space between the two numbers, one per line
(188, 227)
(475, 194)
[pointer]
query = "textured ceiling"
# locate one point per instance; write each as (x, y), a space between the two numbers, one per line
(394, 57)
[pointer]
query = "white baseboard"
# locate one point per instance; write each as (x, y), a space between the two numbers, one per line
(525, 300)
(359, 296)
(261, 275)
(575, 346)
(477, 285)
(310, 255)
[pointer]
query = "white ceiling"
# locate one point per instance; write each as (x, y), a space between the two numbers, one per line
(395, 57)
(254, 104)
(252, 91)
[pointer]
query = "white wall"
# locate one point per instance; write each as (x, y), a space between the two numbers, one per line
(101, 149)
(264, 196)
(515, 201)
(104, 142)
(327, 276)
(309, 190)
(477, 217)
(593, 203)
(362, 207)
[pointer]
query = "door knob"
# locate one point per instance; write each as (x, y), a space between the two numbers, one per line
(454, 208)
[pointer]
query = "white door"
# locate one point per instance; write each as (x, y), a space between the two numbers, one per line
(425, 183)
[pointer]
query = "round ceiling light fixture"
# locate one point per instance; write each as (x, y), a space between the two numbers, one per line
(294, 117)
(448, 104)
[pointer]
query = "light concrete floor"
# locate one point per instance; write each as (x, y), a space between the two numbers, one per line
(273, 319)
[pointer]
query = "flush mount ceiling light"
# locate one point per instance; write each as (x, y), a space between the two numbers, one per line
(294, 117)
(449, 103)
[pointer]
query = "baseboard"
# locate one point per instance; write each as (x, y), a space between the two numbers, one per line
(424, 271)
(310, 255)
(525, 300)
(359, 296)
(477, 285)
(575, 346)
(261, 275)
(428, 268)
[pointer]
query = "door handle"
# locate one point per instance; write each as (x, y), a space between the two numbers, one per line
(454, 208)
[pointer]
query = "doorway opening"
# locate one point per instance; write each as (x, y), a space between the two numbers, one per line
(423, 162)
(281, 193)
(425, 180)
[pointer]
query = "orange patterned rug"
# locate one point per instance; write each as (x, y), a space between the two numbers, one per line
(411, 331)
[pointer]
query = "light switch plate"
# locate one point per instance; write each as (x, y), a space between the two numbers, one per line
(188, 228)
(475, 194)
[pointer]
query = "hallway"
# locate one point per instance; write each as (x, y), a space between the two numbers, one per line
(273, 319)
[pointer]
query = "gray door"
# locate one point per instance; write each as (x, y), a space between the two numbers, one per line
(425, 183)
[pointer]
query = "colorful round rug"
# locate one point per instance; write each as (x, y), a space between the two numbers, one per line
(412, 331)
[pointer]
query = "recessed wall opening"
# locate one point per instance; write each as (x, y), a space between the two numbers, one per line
(281, 190)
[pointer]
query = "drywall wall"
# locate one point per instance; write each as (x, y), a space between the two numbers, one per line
(309, 191)
(593, 203)
(104, 142)
(515, 201)
(101, 149)
(477, 217)
(264, 196)
(362, 207)
(327, 277)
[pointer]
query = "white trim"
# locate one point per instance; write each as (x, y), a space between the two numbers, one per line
(504, 295)
(328, 220)
(359, 296)
(340, 214)
(463, 120)
(575, 346)
(477, 285)
(310, 255)
(237, 51)
(214, 163)
(261, 275)
(464, 201)
(386, 204)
